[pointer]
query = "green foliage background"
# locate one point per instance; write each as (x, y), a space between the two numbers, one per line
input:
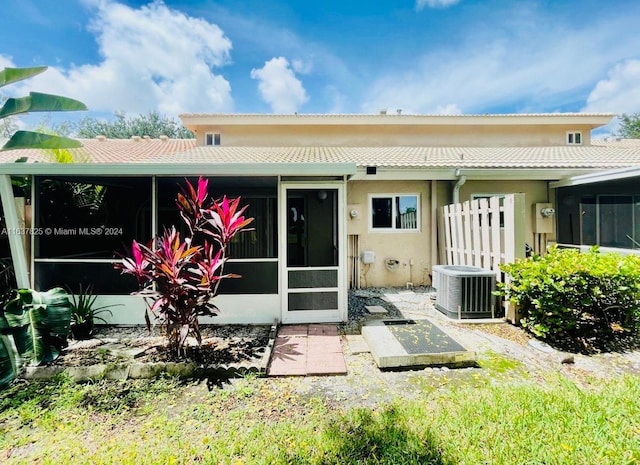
(630, 126)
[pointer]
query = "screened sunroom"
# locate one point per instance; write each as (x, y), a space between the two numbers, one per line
(83, 216)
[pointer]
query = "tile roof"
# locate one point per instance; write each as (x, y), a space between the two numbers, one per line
(607, 142)
(140, 150)
(427, 157)
(184, 151)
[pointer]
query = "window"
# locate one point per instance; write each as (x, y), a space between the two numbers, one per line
(395, 212)
(253, 253)
(610, 220)
(574, 138)
(211, 139)
(82, 222)
(258, 193)
(90, 217)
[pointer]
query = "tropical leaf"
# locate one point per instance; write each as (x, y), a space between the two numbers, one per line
(38, 102)
(29, 337)
(11, 75)
(8, 367)
(58, 315)
(35, 102)
(36, 140)
(39, 323)
(225, 220)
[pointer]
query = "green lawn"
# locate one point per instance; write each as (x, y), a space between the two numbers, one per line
(264, 421)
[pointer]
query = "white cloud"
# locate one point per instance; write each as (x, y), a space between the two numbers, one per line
(5, 62)
(619, 92)
(448, 109)
(420, 4)
(153, 57)
(519, 65)
(275, 39)
(338, 100)
(301, 66)
(279, 86)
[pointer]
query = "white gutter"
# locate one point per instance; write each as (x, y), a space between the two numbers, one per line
(178, 169)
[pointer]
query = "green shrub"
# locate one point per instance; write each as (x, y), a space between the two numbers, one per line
(567, 292)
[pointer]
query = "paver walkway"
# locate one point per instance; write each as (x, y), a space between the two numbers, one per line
(301, 350)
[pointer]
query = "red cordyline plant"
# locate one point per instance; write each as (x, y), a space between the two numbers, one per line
(179, 277)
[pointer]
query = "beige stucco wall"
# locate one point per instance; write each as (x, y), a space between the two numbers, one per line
(412, 249)
(392, 135)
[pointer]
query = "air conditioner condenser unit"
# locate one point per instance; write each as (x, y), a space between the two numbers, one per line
(465, 292)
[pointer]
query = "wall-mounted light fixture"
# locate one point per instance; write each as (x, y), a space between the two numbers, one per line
(547, 212)
(353, 214)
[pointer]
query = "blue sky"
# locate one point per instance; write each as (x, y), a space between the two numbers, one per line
(421, 56)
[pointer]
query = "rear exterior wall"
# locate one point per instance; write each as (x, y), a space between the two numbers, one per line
(412, 249)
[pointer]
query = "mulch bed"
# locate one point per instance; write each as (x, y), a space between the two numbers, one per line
(221, 345)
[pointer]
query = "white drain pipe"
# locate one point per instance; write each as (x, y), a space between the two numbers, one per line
(456, 188)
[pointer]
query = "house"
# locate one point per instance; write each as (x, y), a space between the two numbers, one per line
(340, 200)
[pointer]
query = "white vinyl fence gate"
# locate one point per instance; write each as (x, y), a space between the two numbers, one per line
(484, 232)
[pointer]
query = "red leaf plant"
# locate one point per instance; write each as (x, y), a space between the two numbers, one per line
(179, 277)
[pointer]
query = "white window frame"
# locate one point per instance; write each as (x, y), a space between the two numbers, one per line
(214, 136)
(393, 196)
(572, 137)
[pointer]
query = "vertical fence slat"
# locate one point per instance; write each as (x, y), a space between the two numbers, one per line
(459, 257)
(486, 242)
(509, 228)
(496, 253)
(468, 245)
(448, 247)
(477, 235)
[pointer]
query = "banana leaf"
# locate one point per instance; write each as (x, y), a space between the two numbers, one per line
(39, 323)
(11, 75)
(36, 140)
(8, 367)
(38, 101)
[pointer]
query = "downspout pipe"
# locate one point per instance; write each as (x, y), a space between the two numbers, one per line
(456, 188)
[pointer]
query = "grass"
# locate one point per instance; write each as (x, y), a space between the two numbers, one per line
(264, 421)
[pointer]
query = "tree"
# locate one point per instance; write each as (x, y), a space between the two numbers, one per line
(34, 102)
(630, 126)
(153, 124)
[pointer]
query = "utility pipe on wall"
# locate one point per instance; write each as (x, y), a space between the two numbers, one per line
(456, 188)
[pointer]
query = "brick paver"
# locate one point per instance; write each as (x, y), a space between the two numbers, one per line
(313, 349)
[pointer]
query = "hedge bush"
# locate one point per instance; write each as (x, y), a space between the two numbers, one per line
(567, 293)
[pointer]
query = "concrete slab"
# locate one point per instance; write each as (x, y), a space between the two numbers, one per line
(376, 309)
(357, 344)
(416, 343)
